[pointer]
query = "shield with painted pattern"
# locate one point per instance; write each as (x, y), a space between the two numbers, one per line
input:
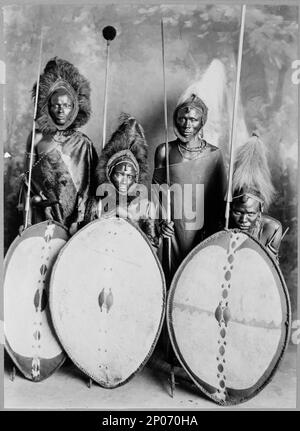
(107, 300)
(228, 315)
(30, 339)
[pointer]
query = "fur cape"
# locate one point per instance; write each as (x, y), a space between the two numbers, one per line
(129, 136)
(58, 74)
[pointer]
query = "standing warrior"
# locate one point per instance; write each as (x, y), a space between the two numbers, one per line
(121, 175)
(192, 162)
(64, 158)
(252, 194)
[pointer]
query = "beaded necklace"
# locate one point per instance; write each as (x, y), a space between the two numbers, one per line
(191, 153)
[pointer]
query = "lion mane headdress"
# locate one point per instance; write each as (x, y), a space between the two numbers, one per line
(61, 75)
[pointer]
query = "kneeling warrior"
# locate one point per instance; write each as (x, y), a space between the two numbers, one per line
(252, 194)
(64, 159)
(121, 175)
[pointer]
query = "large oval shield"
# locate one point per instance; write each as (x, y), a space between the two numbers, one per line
(29, 336)
(107, 299)
(228, 316)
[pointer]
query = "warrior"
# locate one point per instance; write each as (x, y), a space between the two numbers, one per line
(253, 192)
(64, 158)
(122, 175)
(192, 161)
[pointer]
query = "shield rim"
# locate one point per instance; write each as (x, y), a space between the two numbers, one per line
(285, 336)
(162, 317)
(7, 346)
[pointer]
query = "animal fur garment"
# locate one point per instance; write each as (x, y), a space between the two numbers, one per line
(129, 136)
(60, 74)
(251, 171)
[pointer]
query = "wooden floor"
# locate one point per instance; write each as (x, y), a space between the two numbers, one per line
(68, 389)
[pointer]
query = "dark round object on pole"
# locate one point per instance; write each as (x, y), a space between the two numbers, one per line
(109, 32)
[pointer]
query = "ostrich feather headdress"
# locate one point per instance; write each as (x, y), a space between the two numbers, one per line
(251, 174)
(128, 145)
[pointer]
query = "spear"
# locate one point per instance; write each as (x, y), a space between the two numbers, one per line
(168, 240)
(27, 202)
(233, 123)
(109, 33)
(168, 349)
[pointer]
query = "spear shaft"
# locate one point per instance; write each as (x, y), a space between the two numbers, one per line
(233, 123)
(109, 33)
(27, 203)
(168, 240)
(105, 95)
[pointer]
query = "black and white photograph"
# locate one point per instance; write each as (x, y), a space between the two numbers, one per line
(150, 196)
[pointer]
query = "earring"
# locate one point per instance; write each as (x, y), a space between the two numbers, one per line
(259, 218)
(200, 134)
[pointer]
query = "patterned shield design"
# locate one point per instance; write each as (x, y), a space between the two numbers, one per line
(30, 338)
(228, 316)
(107, 300)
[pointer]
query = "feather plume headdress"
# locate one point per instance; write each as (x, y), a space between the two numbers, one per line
(59, 74)
(251, 176)
(126, 145)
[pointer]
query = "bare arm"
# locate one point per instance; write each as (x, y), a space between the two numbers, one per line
(160, 156)
(273, 233)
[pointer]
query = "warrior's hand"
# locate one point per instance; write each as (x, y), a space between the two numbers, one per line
(167, 229)
(48, 213)
(22, 228)
(73, 228)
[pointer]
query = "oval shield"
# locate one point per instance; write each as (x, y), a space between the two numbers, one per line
(30, 339)
(107, 300)
(228, 316)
